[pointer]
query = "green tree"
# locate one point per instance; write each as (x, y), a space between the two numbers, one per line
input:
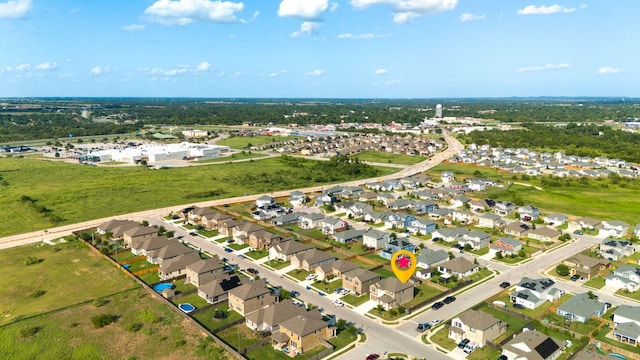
(562, 270)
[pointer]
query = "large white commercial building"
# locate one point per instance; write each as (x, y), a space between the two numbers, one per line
(160, 152)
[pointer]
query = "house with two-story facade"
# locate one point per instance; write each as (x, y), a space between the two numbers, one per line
(212, 220)
(626, 321)
(396, 245)
(614, 250)
(311, 259)
(422, 226)
(476, 239)
(242, 232)
(491, 221)
(359, 280)
(626, 277)
(585, 266)
(177, 266)
(504, 208)
(531, 293)
(297, 198)
(528, 213)
(331, 225)
(615, 228)
(506, 246)
(301, 333)
(251, 297)
(375, 239)
(334, 269)
(204, 270)
(391, 292)
(477, 326)
(217, 289)
(311, 220)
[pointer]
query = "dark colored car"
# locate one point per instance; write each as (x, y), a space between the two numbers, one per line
(459, 247)
(463, 343)
(505, 284)
(294, 294)
(252, 271)
(437, 305)
(574, 277)
(373, 357)
(449, 299)
(423, 327)
(228, 249)
(518, 306)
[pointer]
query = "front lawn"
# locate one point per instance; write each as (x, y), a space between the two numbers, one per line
(299, 274)
(237, 247)
(257, 254)
(421, 293)
(596, 282)
(355, 300)
(277, 264)
(343, 339)
(632, 295)
(389, 315)
(208, 233)
(328, 287)
(441, 337)
(484, 353)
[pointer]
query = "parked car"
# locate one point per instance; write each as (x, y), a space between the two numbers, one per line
(311, 276)
(582, 279)
(579, 232)
(463, 343)
(193, 233)
(574, 277)
(449, 299)
(423, 327)
(241, 256)
(252, 271)
(435, 321)
(228, 249)
(337, 290)
(344, 292)
(298, 303)
(505, 284)
(294, 293)
(338, 303)
(373, 357)
(437, 305)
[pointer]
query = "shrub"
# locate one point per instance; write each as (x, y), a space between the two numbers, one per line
(179, 343)
(100, 302)
(31, 260)
(37, 294)
(149, 317)
(29, 332)
(102, 320)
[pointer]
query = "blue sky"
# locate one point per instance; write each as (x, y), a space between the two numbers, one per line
(319, 48)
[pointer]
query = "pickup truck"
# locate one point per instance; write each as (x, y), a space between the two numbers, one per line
(423, 327)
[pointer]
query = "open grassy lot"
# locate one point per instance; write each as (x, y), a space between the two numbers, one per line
(58, 280)
(70, 193)
(598, 198)
(233, 157)
(381, 157)
(243, 142)
(144, 329)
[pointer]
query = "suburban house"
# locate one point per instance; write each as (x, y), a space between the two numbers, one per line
(477, 326)
(555, 219)
(242, 232)
(137, 233)
(204, 271)
(217, 289)
(459, 267)
(251, 297)
(311, 259)
(447, 176)
(615, 228)
(580, 308)
(424, 206)
(144, 245)
(302, 333)
(401, 204)
(584, 223)
(359, 280)
(227, 227)
(616, 249)
(532, 345)
(421, 225)
(625, 277)
(626, 321)
(171, 250)
(375, 239)
(263, 239)
(528, 213)
(479, 205)
(440, 213)
(357, 209)
(283, 251)
(476, 239)
(265, 201)
(459, 201)
(585, 266)
(518, 229)
(297, 198)
(116, 227)
(310, 221)
(348, 236)
(636, 231)
(430, 258)
(466, 217)
(506, 245)
(212, 220)
(335, 269)
(397, 220)
(396, 245)
(270, 317)
(196, 214)
(491, 221)
(504, 208)
(544, 233)
(391, 292)
(286, 219)
(367, 196)
(177, 266)
(332, 225)
(530, 293)
(450, 234)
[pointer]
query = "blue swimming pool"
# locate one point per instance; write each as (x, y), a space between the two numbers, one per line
(162, 286)
(186, 307)
(126, 266)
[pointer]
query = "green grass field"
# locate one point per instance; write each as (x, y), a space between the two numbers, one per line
(232, 157)
(63, 273)
(57, 324)
(242, 142)
(69, 193)
(381, 157)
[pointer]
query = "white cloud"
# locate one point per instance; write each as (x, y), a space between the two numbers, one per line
(471, 17)
(381, 72)
(316, 72)
(97, 70)
(184, 12)
(307, 28)
(47, 66)
(303, 9)
(273, 74)
(14, 9)
(134, 27)
(362, 36)
(23, 67)
(393, 82)
(544, 10)
(406, 10)
(203, 66)
(544, 67)
(176, 71)
(606, 70)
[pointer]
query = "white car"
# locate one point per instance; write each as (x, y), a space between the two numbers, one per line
(344, 292)
(435, 321)
(298, 303)
(582, 279)
(338, 303)
(311, 276)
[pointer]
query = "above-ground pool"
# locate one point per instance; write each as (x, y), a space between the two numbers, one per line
(126, 266)
(162, 286)
(186, 307)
